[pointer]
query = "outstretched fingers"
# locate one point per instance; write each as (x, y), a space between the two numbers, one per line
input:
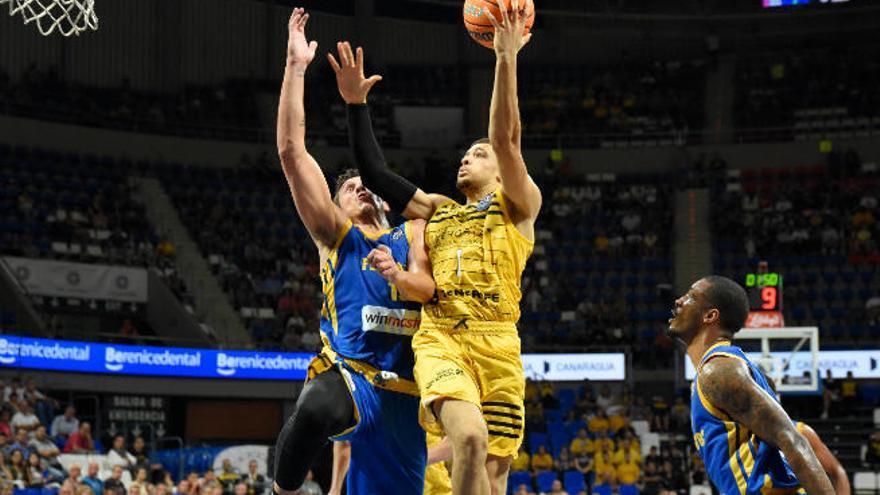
(333, 63)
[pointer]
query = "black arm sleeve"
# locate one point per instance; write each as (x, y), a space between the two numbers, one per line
(375, 174)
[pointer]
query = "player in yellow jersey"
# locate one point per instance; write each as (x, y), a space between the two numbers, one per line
(468, 365)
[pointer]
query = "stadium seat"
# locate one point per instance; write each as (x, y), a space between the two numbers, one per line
(518, 478)
(628, 490)
(700, 490)
(545, 480)
(573, 481)
(537, 439)
(649, 440)
(553, 415)
(640, 427)
(864, 483)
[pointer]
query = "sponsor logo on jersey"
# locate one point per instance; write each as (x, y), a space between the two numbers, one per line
(397, 321)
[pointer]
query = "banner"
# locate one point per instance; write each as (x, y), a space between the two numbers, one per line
(575, 367)
(90, 357)
(113, 359)
(863, 364)
(429, 127)
(80, 280)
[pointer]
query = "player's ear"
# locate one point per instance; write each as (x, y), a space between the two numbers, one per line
(711, 316)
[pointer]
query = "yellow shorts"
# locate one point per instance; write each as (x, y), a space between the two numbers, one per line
(480, 365)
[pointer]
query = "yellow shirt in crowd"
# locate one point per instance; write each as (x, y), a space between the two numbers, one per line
(628, 473)
(521, 463)
(581, 446)
(598, 424)
(542, 462)
(619, 456)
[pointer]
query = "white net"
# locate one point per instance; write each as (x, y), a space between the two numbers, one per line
(67, 17)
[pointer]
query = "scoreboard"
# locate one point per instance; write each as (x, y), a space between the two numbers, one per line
(765, 291)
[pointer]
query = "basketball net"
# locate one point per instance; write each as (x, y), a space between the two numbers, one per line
(68, 17)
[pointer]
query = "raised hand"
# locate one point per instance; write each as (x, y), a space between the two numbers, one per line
(300, 52)
(353, 86)
(509, 38)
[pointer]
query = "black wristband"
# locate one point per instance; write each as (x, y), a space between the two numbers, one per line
(375, 174)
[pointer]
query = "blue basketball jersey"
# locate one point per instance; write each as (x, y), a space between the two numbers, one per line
(362, 316)
(737, 461)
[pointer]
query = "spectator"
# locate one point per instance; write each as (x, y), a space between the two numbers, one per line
(118, 455)
(114, 482)
(241, 488)
(603, 444)
(603, 484)
(605, 399)
(628, 471)
(80, 442)
(5, 427)
(209, 480)
(522, 461)
(674, 478)
(599, 423)
(73, 474)
(652, 456)
(182, 488)
(522, 489)
(5, 474)
(228, 477)
(652, 482)
(310, 487)
(139, 451)
(563, 461)
(583, 462)
(849, 391)
(581, 444)
(872, 456)
(255, 481)
(141, 484)
(91, 479)
(872, 308)
(65, 424)
(542, 460)
(18, 468)
(660, 413)
(35, 471)
(830, 394)
(43, 445)
(20, 442)
(25, 418)
(43, 405)
(681, 415)
(556, 489)
(626, 447)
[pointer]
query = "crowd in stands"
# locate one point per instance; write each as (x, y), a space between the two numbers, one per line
(222, 111)
(828, 90)
(592, 443)
(628, 101)
(818, 227)
(81, 209)
(31, 445)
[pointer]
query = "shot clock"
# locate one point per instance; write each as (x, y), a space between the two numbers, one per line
(765, 291)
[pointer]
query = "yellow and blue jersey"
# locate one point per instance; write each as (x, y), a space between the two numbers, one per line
(362, 315)
(737, 461)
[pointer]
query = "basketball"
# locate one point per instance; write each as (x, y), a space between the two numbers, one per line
(478, 25)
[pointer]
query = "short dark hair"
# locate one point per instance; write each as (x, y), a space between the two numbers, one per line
(349, 173)
(484, 140)
(731, 301)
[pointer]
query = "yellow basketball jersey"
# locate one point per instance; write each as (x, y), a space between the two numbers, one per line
(477, 257)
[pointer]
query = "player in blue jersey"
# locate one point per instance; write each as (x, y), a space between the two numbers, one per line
(360, 386)
(748, 443)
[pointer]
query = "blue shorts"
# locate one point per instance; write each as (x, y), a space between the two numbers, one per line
(388, 451)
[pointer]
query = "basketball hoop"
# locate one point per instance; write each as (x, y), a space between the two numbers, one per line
(68, 17)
